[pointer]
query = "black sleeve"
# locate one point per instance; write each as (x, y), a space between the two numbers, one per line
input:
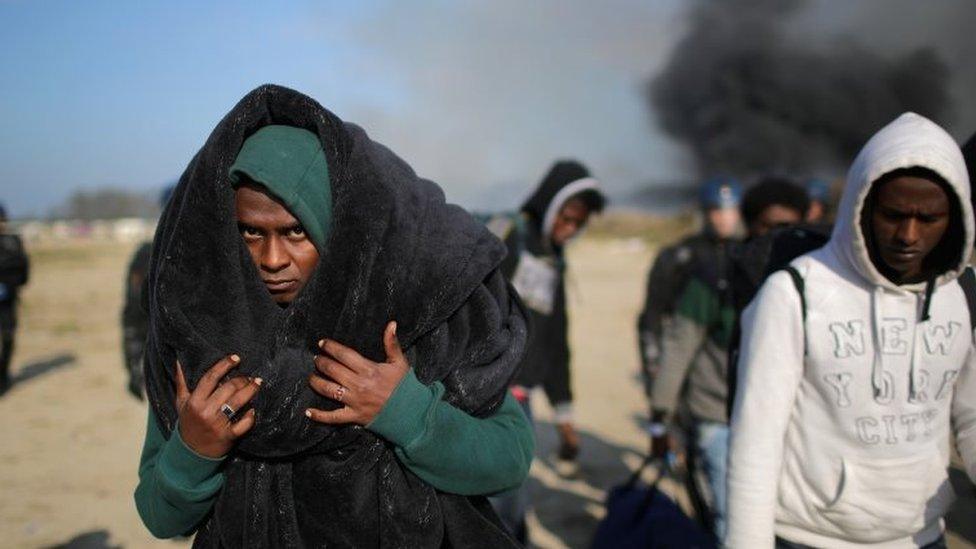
(557, 379)
(658, 297)
(661, 285)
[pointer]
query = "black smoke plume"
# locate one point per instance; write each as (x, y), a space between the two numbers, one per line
(748, 98)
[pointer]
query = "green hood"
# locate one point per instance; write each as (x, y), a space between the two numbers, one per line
(291, 164)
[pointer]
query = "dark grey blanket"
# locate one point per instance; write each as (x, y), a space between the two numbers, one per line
(396, 252)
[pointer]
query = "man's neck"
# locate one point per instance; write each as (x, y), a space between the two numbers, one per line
(903, 279)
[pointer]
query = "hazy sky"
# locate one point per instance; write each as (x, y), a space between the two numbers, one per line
(480, 96)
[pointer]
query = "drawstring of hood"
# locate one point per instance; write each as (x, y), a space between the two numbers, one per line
(878, 365)
(927, 304)
(916, 346)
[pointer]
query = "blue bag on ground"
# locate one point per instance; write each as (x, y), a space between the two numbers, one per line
(642, 516)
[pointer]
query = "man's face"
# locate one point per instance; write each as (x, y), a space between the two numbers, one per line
(723, 221)
(909, 217)
(569, 221)
(279, 246)
(774, 216)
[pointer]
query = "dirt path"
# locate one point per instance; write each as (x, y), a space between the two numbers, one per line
(72, 434)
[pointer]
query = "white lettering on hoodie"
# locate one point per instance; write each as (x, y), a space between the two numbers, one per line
(845, 443)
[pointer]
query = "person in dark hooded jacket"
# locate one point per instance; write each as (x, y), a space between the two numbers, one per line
(556, 212)
(330, 346)
(13, 275)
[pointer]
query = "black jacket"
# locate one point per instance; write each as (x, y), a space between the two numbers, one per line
(671, 269)
(14, 268)
(547, 357)
(546, 360)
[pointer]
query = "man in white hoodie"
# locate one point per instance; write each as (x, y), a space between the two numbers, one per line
(849, 391)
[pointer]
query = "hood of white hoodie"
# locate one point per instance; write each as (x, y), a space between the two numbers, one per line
(911, 140)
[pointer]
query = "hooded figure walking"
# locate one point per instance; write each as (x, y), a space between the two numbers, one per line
(852, 383)
(536, 237)
(330, 347)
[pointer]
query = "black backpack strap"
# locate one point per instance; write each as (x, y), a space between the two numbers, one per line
(968, 282)
(800, 287)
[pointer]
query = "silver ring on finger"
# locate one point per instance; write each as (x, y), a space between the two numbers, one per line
(227, 411)
(340, 392)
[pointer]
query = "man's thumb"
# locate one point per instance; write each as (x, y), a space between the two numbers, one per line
(392, 344)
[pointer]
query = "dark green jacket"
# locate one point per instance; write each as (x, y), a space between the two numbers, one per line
(449, 449)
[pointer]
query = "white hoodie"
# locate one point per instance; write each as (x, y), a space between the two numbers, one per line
(841, 427)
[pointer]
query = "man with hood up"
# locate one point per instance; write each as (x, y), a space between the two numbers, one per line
(330, 347)
(557, 211)
(851, 383)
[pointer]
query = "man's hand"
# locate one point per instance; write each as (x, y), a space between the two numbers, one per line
(361, 385)
(204, 427)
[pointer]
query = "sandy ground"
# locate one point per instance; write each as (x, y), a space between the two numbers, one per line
(71, 434)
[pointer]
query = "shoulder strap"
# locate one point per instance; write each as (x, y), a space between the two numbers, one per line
(798, 282)
(800, 286)
(968, 282)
